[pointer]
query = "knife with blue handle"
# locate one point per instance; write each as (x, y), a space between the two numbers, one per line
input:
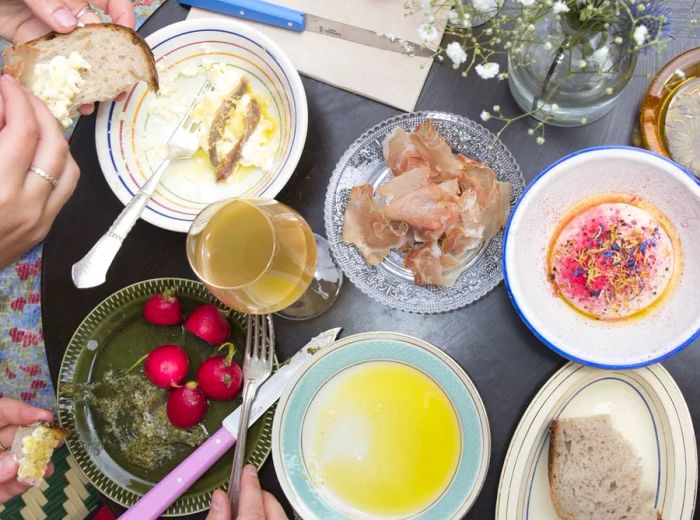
(286, 18)
(180, 479)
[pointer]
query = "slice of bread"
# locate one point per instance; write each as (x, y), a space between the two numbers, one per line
(118, 58)
(33, 447)
(594, 473)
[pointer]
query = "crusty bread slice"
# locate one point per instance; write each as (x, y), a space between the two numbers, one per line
(33, 447)
(594, 473)
(117, 55)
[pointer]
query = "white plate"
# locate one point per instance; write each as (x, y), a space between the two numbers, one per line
(638, 341)
(646, 407)
(121, 125)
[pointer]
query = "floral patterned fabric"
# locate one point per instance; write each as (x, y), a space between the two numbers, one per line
(24, 372)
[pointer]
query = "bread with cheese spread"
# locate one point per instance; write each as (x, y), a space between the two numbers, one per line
(33, 447)
(93, 63)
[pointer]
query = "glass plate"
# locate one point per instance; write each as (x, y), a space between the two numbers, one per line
(389, 282)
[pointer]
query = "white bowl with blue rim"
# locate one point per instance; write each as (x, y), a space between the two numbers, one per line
(122, 126)
(668, 327)
(293, 421)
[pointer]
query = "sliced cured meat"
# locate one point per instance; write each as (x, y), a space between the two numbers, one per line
(405, 183)
(400, 154)
(368, 228)
(428, 210)
(433, 148)
(426, 262)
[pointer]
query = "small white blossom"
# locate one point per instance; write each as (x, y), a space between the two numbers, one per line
(584, 120)
(640, 34)
(452, 16)
(456, 53)
(609, 91)
(485, 6)
(618, 40)
(485, 116)
(496, 108)
(555, 106)
(428, 32)
(582, 64)
(548, 45)
(530, 131)
(487, 70)
(560, 7)
(539, 140)
(502, 76)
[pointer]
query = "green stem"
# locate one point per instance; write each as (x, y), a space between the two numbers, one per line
(140, 360)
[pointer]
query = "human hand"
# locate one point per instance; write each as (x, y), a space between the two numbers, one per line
(24, 20)
(30, 136)
(253, 504)
(15, 413)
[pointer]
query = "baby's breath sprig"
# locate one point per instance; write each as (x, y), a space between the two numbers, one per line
(632, 25)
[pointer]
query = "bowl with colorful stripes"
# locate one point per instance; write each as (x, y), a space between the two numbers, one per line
(131, 134)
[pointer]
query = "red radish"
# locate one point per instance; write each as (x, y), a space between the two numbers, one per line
(209, 324)
(166, 366)
(220, 377)
(186, 406)
(163, 309)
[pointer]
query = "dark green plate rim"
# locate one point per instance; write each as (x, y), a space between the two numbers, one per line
(104, 484)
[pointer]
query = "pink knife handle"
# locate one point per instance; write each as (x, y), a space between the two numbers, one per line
(179, 480)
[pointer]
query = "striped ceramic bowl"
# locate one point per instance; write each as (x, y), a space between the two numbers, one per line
(123, 128)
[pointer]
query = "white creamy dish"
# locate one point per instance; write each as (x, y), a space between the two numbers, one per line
(238, 117)
(58, 81)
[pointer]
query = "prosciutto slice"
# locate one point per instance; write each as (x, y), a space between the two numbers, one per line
(437, 208)
(368, 228)
(400, 154)
(429, 211)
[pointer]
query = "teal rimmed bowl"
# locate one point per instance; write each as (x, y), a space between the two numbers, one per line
(307, 497)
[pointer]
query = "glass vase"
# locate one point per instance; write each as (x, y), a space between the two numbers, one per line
(569, 77)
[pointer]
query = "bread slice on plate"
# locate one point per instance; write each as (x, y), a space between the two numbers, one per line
(33, 447)
(93, 63)
(594, 473)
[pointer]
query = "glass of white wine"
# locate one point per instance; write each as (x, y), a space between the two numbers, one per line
(260, 256)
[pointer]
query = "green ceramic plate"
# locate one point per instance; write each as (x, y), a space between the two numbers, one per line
(113, 336)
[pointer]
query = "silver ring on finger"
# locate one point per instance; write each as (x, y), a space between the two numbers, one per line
(44, 175)
(87, 8)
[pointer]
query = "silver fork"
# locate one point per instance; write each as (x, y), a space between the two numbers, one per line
(257, 366)
(92, 269)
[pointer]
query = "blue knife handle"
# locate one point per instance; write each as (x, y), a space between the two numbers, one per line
(255, 10)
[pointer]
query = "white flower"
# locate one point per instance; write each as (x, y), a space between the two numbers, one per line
(487, 70)
(609, 91)
(640, 34)
(582, 64)
(530, 131)
(618, 40)
(428, 32)
(526, 3)
(560, 7)
(452, 16)
(554, 106)
(456, 53)
(485, 6)
(485, 116)
(539, 140)
(496, 108)
(548, 45)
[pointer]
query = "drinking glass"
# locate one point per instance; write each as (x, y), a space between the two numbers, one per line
(260, 256)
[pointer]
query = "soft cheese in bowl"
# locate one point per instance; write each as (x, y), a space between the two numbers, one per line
(250, 126)
(602, 258)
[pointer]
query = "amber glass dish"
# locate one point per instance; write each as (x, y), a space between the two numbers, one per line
(673, 79)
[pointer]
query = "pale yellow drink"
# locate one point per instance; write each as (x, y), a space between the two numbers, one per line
(257, 256)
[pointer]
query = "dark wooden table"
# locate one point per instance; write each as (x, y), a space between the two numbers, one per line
(505, 361)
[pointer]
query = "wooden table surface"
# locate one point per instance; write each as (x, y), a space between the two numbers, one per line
(505, 361)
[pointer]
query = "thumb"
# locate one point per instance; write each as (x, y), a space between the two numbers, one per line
(54, 14)
(220, 506)
(8, 467)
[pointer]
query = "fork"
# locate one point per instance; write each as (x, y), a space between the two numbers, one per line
(257, 366)
(91, 270)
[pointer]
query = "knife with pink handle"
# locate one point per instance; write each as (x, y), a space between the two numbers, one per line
(179, 480)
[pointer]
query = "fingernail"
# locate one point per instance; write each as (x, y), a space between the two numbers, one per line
(217, 501)
(64, 18)
(250, 470)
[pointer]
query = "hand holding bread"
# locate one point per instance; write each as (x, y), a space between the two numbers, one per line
(13, 415)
